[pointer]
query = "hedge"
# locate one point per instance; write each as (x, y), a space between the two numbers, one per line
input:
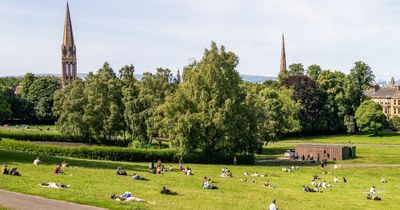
(56, 137)
(119, 153)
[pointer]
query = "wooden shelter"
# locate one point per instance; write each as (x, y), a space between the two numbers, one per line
(326, 151)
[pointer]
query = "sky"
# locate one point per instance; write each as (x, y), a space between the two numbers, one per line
(170, 34)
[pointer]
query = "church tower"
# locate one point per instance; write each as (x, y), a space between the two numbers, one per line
(68, 52)
(283, 55)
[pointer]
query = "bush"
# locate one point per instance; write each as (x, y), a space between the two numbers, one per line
(56, 137)
(119, 153)
(395, 123)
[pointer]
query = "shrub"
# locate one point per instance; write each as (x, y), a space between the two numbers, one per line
(56, 137)
(119, 153)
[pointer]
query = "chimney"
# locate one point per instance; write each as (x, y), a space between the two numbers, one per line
(376, 88)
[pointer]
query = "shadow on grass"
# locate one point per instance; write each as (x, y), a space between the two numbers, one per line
(20, 157)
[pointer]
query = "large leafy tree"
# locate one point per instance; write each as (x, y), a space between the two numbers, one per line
(40, 94)
(312, 99)
(103, 112)
(142, 98)
(5, 108)
(296, 69)
(369, 117)
(208, 110)
(69, 108)
(332, 84)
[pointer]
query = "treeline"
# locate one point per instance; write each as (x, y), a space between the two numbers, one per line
(33, 104)
(210, 109)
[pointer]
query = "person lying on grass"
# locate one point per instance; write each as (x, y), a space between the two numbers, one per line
(121, 171)
(14, 172)
(207, 185)
(248, 180)
(188, 171)
(268, 185)
(166, 191)
(127, 196)
(383, 181)
(57, 170)
(53, 185)
(137, 177)
(226, 173)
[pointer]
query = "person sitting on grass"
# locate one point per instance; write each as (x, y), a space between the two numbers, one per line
(121, 171)
(369, 197)
(171, 168)
(372, 190)
(166, 191)
(127, 196)
(159, 170)
(53, 185)
(316, 189)
(137, 177)
(268, 185)
(335, 180)
(57, 170)
(226, 173)
(4, 169)
(64, 164)
(14, 172)
(207, 185)
(246, 173)
(37, 161)
(344, 180)
(188, 171)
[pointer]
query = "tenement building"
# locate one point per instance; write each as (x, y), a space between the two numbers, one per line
(387, 96)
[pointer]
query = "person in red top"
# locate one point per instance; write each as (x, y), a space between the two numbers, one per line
(57, 170)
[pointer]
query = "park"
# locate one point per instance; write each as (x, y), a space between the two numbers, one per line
(158, 115)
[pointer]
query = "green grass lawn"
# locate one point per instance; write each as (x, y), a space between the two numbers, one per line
(32, 127)
(92, 183)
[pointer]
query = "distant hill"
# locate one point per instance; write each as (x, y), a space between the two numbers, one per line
(247, 78)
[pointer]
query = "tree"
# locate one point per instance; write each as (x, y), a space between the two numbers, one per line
(313, 71)
(142, 116)
(360, 79)
(40, 95)
(68, 107)
(312, 99)
(369, 117)
(394, 123)
(332, 84)
(26, 82)
(103, 112)
(350, 124)
(208, 110)
(296, 69)
(5, 108)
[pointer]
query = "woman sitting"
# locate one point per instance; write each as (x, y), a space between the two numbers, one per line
(268, 185)
(166, 191)
(121, 171)
(207, 185)
(57, 170)
(64, 164)
(4, 169)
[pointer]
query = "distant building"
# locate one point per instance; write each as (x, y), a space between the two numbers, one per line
(387, 96)
(68, 52)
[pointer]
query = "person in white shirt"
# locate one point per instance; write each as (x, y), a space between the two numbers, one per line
(272, 206)
(372, 190)
(335, 180)
(37, 161)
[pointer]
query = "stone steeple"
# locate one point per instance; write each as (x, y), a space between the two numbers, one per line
(178, 77)
(68, 51)
(392, 82)
(283, 55)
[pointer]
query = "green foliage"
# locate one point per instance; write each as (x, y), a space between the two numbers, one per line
(296, 69)
(5, 108)
(369, 117)
(350, 124)
(313, 71)
(103, 111)
(394, 123)
(40, 95)
(208, 110)
(119, 153)
(57, 137)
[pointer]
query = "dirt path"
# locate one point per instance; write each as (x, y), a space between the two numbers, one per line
(18, 201)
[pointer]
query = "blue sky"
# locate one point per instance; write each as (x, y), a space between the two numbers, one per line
(151, 34)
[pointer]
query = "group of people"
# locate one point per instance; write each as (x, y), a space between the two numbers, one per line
(13, 171)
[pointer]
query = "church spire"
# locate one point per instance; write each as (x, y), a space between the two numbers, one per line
(68, 51)
(283, 55)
